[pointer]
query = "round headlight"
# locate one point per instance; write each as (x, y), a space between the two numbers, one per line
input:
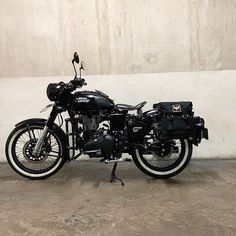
(53, 91)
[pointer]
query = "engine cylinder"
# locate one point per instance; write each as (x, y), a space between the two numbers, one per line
(90, 122)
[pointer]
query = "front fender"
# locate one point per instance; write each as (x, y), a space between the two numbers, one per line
(32, 121)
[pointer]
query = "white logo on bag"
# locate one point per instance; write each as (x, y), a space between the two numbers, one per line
(176, 108)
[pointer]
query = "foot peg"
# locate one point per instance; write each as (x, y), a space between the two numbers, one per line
(106, 161)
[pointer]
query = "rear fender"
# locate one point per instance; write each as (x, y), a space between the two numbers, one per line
(200, 131)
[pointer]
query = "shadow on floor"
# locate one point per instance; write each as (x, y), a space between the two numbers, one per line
(95, 173)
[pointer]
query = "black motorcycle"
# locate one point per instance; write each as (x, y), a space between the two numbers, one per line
(159, 140)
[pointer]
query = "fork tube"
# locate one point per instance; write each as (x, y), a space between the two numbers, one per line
(39, 143)
(48, 125)
(52, 116)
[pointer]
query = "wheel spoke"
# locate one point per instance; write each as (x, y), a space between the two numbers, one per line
(53, 145)
(22, 138)
(164, 161)
(24, 145)
(33, 134)
(20, 141)
(54, 151)
(50, 155)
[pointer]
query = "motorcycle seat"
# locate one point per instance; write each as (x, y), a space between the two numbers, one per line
(126, 107)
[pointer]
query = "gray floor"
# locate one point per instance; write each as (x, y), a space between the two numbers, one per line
(79, 200)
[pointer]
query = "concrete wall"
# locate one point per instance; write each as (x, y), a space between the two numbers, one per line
(37, 38)
(19, 101)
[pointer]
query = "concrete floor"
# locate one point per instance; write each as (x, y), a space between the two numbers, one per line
(79, 200)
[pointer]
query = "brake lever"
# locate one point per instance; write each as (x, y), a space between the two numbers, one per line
(78, 82)
(70, 86)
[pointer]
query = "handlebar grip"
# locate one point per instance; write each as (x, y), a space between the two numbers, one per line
(69, 87)
(76, 83)
(81, 82)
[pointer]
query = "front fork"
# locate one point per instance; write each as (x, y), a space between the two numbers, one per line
(55, 111)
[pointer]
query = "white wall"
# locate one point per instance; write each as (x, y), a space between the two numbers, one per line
(213, 95)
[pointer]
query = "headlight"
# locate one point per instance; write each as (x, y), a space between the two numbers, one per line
(53, 91)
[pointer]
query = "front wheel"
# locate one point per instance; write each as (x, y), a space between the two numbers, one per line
(166, 166)
(19, 151)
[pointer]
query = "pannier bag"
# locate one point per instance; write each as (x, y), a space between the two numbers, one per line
(177, 121)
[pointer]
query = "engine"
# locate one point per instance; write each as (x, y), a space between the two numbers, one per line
(101, 143)
(97, 142)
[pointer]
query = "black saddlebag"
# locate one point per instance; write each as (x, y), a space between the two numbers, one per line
(177, 122)
(171, 108)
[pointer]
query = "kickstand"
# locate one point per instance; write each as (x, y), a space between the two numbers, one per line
(113, 175)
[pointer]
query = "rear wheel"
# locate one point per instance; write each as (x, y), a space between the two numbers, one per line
(19, 152)
(172, 163)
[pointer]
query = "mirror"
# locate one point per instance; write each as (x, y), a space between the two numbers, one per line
(82, 65)
(76, 57)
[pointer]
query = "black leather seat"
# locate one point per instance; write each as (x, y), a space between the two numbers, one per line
(126, 107)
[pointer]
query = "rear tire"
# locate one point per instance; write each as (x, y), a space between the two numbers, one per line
(168, 171)
(21, 160)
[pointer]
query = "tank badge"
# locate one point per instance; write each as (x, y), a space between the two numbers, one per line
(83, 100)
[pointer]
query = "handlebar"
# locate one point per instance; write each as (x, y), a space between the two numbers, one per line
(78, 82)
(73, 84)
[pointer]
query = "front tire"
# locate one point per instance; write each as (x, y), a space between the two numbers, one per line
(167, 171)
(19, 155)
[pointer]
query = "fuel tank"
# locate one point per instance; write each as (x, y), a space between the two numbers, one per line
(91, 101)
